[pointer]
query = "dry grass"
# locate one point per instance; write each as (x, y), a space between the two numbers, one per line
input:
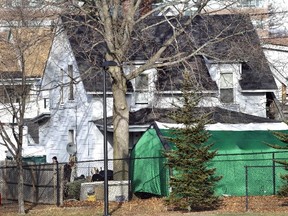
(266, 206)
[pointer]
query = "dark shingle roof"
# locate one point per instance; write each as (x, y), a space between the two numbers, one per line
(147, 116)
(223, 38)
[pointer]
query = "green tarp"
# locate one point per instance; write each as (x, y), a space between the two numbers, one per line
(236, 150)
(35, 159)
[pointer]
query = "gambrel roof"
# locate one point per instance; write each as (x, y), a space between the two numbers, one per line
(216, 38)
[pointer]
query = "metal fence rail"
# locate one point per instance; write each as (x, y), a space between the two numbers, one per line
(44, 183)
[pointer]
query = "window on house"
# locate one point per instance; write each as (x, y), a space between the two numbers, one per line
(141, 89)
(71, 90)
(62, 87)
(226, 88)
(71, 136)
(24, 3)
(35, 3)
(10, 94)
(260, 24)
(46, 103)
(249, 3)
(141, 83)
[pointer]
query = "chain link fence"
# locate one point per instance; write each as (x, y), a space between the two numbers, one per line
(45, 183)
(263, 180)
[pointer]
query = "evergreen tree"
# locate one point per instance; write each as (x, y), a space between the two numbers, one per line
(192, 181)
(283, 190)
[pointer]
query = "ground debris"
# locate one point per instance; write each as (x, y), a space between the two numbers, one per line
(157, 207)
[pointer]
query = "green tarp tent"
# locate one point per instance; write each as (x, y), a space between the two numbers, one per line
(238, 146)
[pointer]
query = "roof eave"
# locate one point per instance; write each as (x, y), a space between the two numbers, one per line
(132, 128)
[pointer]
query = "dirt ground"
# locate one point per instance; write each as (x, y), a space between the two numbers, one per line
(154, 206)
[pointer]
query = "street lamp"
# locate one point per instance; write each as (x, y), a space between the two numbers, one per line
(105, 65)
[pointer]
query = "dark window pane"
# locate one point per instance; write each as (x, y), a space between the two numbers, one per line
(226, 95)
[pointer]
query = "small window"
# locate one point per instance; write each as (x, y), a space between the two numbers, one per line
(71, 88)
(46, 103)
(23, 3)
(141, 89)
(250, 3)
(11, 94)
(226, 88)
(71, 136)
(36, 3)
(141, 83)
(62, 86)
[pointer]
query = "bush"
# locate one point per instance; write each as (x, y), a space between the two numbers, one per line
(72, 189)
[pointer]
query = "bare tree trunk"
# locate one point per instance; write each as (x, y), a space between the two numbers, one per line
(121, 126)
(21, 207)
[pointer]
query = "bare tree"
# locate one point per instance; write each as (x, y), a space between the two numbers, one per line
(25, 40)
(114, 23)
(130, 30)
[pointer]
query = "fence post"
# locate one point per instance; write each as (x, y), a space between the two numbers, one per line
(56, 180)
(129, 177)
(274, 173)
(246, 187)
(34, 184)
(58, 185)
(61, 185)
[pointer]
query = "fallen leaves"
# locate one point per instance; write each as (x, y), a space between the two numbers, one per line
(156, 206)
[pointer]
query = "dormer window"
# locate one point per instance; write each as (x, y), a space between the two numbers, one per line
(226, 87)
(141, 89)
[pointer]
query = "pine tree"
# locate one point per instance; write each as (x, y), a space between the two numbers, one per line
(283, 190)
(192, 181)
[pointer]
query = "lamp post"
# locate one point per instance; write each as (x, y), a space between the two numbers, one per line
(105, 65)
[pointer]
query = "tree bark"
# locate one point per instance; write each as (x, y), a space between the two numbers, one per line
(120, 124)
(21, 206)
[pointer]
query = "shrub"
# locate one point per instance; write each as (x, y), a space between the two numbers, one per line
(72, 189)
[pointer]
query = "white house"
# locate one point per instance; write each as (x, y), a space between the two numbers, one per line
(232, 73)
(23, 59)
(235, 76)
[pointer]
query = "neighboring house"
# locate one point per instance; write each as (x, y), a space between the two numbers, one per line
(276, 51)
(268, 16)
(71, 104)
(23, 60)
(232, 74)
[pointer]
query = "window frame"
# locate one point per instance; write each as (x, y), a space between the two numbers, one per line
(230, 86)
(249, 3)
(141, 93)
(71, 82)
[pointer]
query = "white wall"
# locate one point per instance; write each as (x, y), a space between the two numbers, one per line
(68, 115)
(277, 57)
